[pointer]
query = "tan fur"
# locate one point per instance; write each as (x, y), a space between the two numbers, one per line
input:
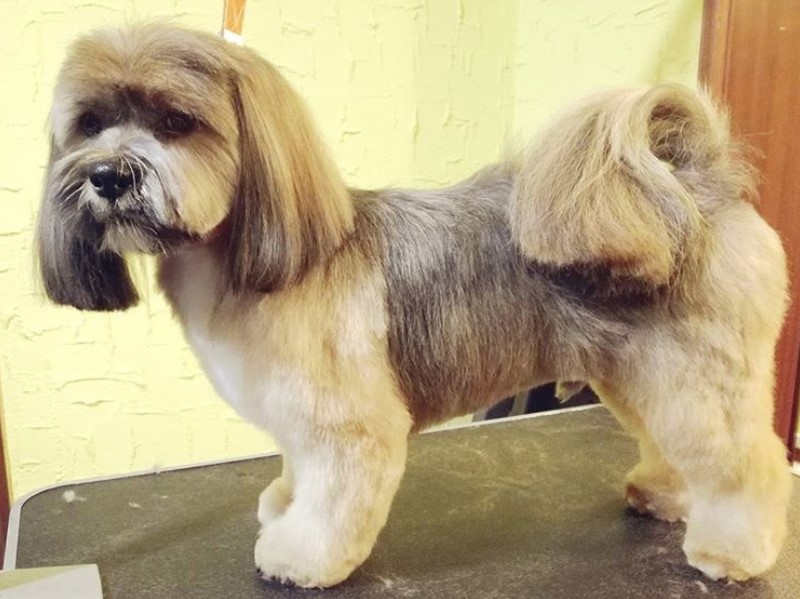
(293, 209)
(618, 250)
(603, 177)
(313, 370)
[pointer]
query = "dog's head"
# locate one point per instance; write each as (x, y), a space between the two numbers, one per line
(163, 137)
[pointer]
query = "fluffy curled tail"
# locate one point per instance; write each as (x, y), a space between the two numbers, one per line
(623, 181)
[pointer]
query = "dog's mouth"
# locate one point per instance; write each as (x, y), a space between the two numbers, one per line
(131, 218)
(132, 223)
(135, 232)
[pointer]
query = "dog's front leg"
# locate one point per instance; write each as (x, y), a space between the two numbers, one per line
(274, 500)
(345, 478)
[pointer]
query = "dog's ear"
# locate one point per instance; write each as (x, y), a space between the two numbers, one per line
(291, 208)
(74, 270)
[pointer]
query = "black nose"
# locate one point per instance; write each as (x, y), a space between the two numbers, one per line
(112, 179)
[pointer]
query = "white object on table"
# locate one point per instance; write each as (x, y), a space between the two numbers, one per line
(63, 582)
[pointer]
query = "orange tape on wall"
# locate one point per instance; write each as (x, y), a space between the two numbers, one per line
(233, 20)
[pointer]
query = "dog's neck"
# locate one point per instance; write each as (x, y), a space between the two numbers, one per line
(222, 230)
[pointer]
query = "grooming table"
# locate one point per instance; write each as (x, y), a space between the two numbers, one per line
(526, 507)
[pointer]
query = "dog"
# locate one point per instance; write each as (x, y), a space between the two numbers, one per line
(619, 248)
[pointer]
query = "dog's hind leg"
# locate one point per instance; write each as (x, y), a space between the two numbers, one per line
(704, 396)
(653, 487)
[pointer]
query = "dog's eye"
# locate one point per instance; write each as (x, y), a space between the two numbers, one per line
(178, 123)
(90, 124)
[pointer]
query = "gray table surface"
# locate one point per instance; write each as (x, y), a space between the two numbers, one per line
(527, 507)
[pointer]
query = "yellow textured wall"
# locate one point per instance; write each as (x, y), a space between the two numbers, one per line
(405, 91)
(565, 49)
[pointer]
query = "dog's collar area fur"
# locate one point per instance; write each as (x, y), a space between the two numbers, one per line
(223, 229)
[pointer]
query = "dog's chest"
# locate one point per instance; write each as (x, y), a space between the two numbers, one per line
(234, 347)
(252, 377)
(190, 282)
(222, 362)
(222, 359)
(247, 377)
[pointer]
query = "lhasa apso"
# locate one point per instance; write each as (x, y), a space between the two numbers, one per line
(618, 249)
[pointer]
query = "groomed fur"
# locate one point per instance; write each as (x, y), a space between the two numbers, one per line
(292, 209)
(75, 270)
(618, 251)
(607, 184)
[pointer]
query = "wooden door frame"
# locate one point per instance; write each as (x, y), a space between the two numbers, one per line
(724, 26)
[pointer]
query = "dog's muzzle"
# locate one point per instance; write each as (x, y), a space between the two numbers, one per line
(112, 179)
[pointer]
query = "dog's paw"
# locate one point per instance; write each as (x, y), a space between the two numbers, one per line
(731, 556)
(664, 504)
(655, 490)
(733, 537)
(274, 500)
(717, 567)
(299, 555)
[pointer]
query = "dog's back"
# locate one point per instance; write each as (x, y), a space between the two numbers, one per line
(469, 319)
(627, 210)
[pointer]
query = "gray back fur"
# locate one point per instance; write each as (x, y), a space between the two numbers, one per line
(469, 320)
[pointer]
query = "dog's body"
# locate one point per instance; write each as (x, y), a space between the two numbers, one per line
(617, 250)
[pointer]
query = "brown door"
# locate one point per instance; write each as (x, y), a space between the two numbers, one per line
(750, 59)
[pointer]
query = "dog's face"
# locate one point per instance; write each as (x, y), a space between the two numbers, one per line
(145, 138)
(160, 136)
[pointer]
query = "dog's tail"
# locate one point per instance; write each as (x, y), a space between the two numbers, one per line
(621, 184)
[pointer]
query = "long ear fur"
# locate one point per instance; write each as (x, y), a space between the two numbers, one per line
(609, 183)
(291, 210)
(74, 271)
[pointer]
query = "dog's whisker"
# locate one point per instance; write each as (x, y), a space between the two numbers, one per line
(127, 162)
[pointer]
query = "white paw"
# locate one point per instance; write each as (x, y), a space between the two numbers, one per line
(274, 500)
(716, 567)
(725, 559)
(294, 553)
(733, 538)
